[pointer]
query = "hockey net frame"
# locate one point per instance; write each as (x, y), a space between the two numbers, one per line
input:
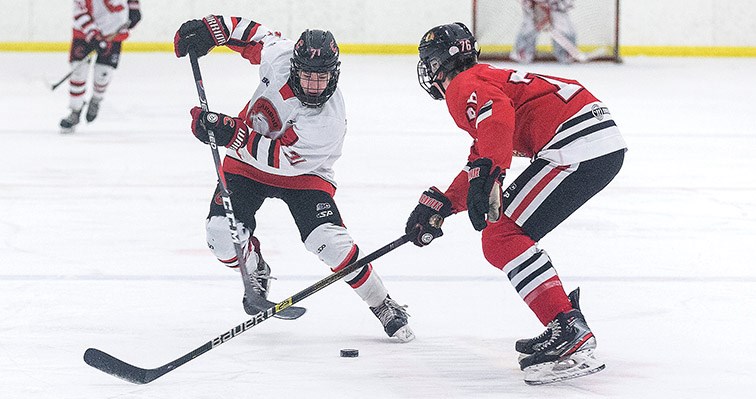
(496, 46)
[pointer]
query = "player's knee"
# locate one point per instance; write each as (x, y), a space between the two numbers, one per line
(79, 74)
(332, 243)
(219, 239)
(499, 250)
(102, 74)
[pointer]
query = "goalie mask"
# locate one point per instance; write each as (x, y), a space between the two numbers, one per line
(314, 67)
(445, 50)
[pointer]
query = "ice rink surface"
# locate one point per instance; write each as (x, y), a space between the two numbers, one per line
(102, 242)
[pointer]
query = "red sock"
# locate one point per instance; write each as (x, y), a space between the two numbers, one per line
(548, 300)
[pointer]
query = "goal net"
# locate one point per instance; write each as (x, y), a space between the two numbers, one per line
(596, 22)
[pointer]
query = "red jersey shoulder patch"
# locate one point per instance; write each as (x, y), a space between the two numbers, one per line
(471, 107)
(264, 107)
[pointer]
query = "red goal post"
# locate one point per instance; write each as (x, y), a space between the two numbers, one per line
(495, 24)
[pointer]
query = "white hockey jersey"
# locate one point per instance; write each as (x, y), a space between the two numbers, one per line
(110, 17)
(292, 146)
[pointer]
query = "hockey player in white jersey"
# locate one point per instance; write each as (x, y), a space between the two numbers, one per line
(98, 26)
(283, 144)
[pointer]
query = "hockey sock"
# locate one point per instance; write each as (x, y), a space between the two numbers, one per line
(364, 281)
(335, 247)
(77, 87)
(219, 240)
(538, 284)
(102, 76)
(548, 300)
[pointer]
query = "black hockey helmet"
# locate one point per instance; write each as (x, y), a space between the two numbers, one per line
(444, 50)
(315, 51)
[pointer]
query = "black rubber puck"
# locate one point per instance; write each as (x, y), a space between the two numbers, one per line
(350, 353)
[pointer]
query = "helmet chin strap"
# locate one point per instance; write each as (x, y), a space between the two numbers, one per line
(439, 92)
(438, 87)
(441, 82)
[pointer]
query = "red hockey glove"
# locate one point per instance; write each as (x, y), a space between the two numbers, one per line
(229, 132)
(135, 15)
(424, 223)
(484, 194)
(201, 35)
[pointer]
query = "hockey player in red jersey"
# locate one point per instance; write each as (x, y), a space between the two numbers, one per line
(98, 26)
(283, 144)
(575, 150)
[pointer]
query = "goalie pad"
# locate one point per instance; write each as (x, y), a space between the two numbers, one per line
(546, 16)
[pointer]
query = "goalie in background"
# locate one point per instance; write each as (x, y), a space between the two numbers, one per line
(100, 26)
(545, 15)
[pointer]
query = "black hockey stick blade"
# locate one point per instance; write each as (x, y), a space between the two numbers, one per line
(118, 368)
(254, 304)
(127, 372)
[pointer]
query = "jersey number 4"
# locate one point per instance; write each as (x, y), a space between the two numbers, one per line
(566, 90)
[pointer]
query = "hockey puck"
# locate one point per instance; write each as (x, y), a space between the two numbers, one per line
(350, 353)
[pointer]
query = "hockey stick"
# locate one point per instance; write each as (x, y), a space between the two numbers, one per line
(137, 375)
(544, 24)
(572, 50)
(85, 61)
(255, 301)
(88, 57)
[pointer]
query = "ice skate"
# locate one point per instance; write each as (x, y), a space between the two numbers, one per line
(394, 319)
(568, 352)
(259, 285)
(93, 109)
(529, 346)
(68, 124)
(258, 271)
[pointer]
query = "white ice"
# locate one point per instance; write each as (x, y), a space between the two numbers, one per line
(102, 242)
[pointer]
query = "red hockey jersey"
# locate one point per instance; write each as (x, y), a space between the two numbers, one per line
(509, 113)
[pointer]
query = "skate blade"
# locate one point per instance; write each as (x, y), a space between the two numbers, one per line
(404, 334)
(579, 364)
(67, 130)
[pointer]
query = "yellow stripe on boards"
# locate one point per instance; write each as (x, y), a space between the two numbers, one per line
(687, 51)
(411, 49)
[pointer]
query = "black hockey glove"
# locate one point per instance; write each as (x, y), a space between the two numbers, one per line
(424, 223)
(484, 194)
(134, 14)
(201, 35)
(228, 131)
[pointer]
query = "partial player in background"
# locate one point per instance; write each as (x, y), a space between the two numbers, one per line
(575, 150)
(98, 26)
(283, 144)
(546, 16)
